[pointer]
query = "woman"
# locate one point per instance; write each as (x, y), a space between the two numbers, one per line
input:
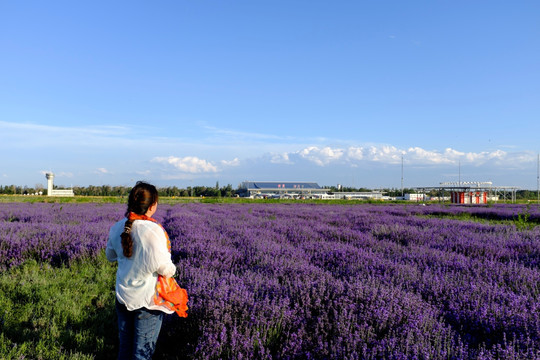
(140, 246)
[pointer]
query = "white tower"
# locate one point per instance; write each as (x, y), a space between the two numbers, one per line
(50, 178)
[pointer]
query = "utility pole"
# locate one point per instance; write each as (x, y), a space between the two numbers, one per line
(459, 173)
(401, 175)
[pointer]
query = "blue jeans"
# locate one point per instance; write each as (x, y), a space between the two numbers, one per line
(138, 331)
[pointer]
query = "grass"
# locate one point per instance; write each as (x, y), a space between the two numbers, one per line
(521, 221)
(183, 200)
(58, 312)
(61, 200)
(68, 312)
(210, 200)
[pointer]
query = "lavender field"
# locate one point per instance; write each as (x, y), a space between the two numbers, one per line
(303, 281)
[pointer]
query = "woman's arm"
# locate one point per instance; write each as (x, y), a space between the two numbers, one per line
(160, 253)
(167, 270)
(109, 250)
(111, 254)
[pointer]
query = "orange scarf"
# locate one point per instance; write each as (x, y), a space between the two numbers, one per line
(168, 292)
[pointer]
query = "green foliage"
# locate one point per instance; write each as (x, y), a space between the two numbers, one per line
(121, 192)
(522, 221)
(225, 199)
(58, 313)
(527, 195)
(62, 200)
(397, 192)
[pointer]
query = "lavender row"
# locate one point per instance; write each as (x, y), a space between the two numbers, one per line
(489, 212)
(333, 282)
(54, 233)
(355, 282)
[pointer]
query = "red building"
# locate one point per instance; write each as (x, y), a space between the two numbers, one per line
(468, 197)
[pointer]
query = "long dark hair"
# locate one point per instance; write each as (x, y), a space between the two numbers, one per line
(141, 198)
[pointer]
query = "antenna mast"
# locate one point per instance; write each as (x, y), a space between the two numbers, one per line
(459, 173)
(401, 175)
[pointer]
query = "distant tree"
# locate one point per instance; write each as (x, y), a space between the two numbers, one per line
(526, 195)
(393, 192)
(227, 191)
(333, 188)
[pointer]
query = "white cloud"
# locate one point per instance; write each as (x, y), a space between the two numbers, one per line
(31, 127)
(99, 137)
(388, 154)
(383, 153)
(188, 164)
(102, 171)
(321, 156)
(244, 134)
(282, 158)
(421, 156)
(452, 156)
(143, 172)
(56, 175)
(47, 134)
(233, 162)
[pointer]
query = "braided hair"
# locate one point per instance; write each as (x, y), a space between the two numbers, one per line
(141, 198)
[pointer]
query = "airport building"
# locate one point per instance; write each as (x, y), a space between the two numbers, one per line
(281, 189)
(300, 190)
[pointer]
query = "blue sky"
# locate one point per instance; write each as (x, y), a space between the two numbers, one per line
(197, 92)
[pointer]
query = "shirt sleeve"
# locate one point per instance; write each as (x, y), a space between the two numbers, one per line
(109, 251)
(167, 270)
(161, 258)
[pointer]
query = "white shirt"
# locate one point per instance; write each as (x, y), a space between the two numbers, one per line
(136, 277)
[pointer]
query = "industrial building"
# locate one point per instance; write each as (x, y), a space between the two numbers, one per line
(473, 192)
(300, 190)
(281, 189)
(357, 195)
(415, 197)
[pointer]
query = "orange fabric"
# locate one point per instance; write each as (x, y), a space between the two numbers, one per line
(168, 292)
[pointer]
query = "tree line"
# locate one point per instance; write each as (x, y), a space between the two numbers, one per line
(208, 191)
(107, 190)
